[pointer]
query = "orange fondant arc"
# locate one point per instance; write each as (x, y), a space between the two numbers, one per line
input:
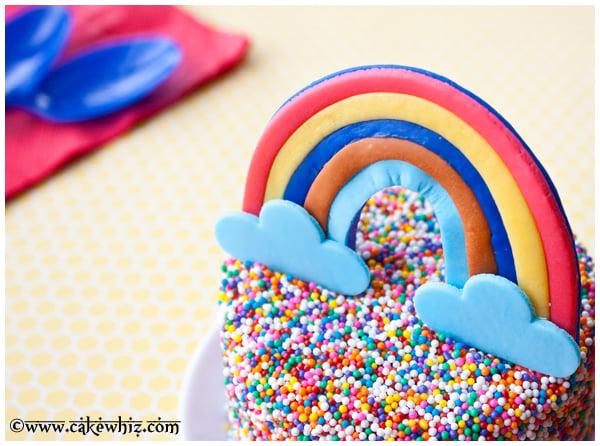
(360, 154)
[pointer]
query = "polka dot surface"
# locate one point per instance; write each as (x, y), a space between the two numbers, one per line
(111, 268)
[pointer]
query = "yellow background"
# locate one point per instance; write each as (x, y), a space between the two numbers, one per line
(112, 269)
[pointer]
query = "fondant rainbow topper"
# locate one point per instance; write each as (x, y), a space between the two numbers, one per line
(508, 247)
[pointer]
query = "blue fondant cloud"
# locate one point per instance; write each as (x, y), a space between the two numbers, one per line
(494, 315)
(286, 238)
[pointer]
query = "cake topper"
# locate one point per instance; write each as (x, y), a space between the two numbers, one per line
(343, 138)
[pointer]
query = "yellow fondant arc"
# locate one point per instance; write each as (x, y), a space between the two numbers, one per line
(525, 241)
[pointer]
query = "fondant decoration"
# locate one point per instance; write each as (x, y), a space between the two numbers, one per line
(383, 174)
(360, 154)
(524, 239)
(494, 315)
(539, 237)
(285, 237)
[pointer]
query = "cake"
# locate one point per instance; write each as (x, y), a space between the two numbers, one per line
(402, 269)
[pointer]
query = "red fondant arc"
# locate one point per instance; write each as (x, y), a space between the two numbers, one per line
(544, 206)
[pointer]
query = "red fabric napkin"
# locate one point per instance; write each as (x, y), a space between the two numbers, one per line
(35, 148)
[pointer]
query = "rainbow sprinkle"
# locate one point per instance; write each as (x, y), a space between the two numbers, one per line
(302, 363)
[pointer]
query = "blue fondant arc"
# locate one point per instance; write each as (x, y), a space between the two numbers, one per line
(382, 174)
(351, 239)
(307, 171)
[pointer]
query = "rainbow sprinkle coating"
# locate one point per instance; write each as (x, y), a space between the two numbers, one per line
(302, 363)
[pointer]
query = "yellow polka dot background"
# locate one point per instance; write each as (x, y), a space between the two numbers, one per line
(112, 269)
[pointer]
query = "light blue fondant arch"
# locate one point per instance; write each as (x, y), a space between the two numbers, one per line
(353, 195)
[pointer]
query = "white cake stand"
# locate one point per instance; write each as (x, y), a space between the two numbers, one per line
(202, 406)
